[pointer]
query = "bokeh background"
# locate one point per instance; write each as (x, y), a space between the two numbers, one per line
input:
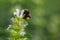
(45, 18)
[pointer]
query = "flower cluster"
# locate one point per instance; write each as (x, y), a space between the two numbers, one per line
(17, 28)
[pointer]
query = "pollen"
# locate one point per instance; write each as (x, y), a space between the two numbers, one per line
(27, 18)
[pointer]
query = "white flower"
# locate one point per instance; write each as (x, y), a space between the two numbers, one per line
(22, 11)
(22, 33)
(17, 10)
(16, 13)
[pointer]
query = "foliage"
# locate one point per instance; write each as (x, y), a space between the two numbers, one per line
(45, 21)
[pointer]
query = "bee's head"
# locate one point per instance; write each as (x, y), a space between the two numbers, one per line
(26, 14)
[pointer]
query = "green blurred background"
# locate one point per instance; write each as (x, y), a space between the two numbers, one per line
(45, 18)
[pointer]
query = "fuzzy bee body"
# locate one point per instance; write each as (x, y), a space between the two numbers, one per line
(26, 14)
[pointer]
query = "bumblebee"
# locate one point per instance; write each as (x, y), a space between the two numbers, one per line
(26, 14)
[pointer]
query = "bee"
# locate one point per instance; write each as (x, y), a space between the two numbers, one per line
(26, 14)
